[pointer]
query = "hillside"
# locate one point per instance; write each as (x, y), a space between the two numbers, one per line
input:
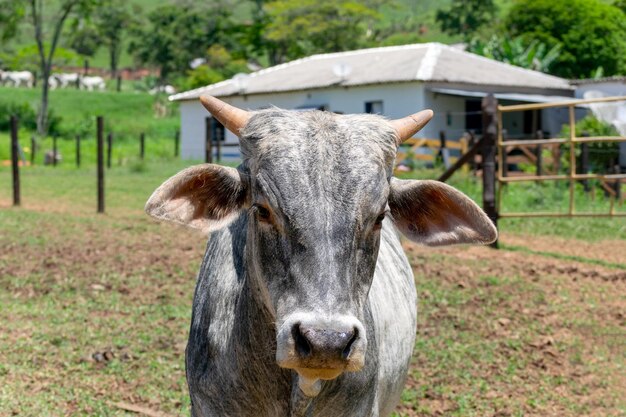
(420, 12)
(129, 113)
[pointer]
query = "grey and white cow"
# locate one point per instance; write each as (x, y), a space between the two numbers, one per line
(305, 303)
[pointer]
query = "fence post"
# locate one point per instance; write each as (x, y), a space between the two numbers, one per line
(218, 142)
(176, 141)
(100, 159)
(444, 154)
(109, 148)
(142, 145)
(539, 154)
(617, 185)
(55, 153)
(490, 131)
(14, 162)
(464, 148)
(118, 86)
(33, 148)
(505, 164)
(77, 151)
(584, 160)
(208, 152)
(472, 141)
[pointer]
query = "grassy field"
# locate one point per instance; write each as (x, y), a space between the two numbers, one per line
(96, 308)
(77, 110)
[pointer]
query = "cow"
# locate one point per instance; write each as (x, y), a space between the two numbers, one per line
(64, 80)
(167, 89)
(53, 82)
(92, 83)
(17, 78)
(305, 303)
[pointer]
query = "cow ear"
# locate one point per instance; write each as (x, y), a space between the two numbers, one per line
(435, 214)
(206, 197)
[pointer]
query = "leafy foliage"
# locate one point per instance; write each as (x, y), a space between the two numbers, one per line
(466, 17)
(219, 65)
(27, 117)
(534, 55)
(109, 26)
(24, 112)
(591, 33)
(11, 15)
(175, 34)
(304, 27)
(601, 154)
(47, 33)
(27, 58)
(85, 40)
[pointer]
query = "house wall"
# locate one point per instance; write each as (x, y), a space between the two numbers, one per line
(450, 112)
(449, 115)
(609, 88)
(398, 100)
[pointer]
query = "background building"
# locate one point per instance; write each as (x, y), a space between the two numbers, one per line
(392, 81)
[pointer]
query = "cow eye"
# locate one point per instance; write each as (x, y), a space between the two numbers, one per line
(262, 213)
(379, 220)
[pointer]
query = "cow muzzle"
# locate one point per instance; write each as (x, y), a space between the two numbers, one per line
(320, 349)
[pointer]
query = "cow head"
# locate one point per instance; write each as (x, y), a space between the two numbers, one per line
(318, 189)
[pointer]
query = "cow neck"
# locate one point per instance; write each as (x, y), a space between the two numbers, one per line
(255, 291)
(299, 404)
(261, 328)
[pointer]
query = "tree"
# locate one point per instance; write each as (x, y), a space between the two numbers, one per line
(304, 27)
(592, 33)
(176, 34)
(54, 23)
(466, 17)
(111, 22)
(219, 65)
(85, 40)
(251, 39)
(515, 51)
(11, 14)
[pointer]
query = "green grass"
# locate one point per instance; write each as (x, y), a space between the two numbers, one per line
(74, 284)
(479, 348)
(557, 255)
(124, 113)
(549, 196)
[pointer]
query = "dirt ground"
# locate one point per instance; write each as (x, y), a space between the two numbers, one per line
(561, 324)
(95, 313)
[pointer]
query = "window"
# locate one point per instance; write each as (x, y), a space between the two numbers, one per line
(375, 107)
(473, 116)
(217, 131)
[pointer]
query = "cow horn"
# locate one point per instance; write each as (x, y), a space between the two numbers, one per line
(231, 117)
(410, 125)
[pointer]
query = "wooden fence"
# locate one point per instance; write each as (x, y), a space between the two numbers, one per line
(611, 182)
(431, 151)
(18, 158)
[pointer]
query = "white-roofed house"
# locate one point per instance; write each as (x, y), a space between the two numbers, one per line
(393, 81)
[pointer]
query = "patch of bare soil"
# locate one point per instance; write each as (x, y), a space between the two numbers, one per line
(500, 333)
(613, 251)
(542, 336)
(93, 252)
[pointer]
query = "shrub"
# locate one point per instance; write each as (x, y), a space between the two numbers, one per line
(24, 112)
(601, 154)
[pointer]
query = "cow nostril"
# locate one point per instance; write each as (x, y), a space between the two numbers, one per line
(348, 348)
(302, 344)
